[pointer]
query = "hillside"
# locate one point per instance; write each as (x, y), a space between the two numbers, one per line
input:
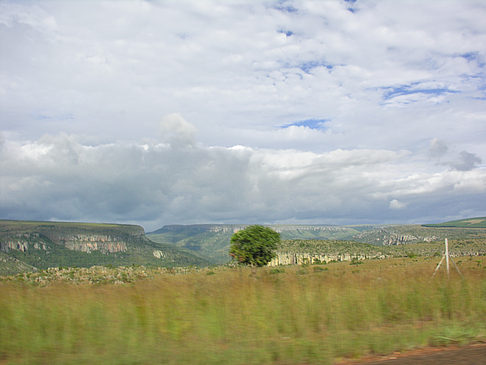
(323, 251)
(210, 241)
(213, 240)
(412, 233)
(479, 222)
(29, 246)
(26, 245)
(10, 265)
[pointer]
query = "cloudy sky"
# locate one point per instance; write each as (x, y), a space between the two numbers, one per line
(166, 112)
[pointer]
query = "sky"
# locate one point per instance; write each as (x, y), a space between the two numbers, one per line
(303, 112)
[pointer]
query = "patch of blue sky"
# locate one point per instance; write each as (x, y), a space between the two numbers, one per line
(351, 6)
(401, 90)
(473, 57)
(478, 76)
(470, 56)
(285, 7)
(318, 124)
(288, 33)
(308, 66)
(478, 79)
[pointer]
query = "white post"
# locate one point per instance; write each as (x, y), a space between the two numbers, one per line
(438, 266)
(447, 256)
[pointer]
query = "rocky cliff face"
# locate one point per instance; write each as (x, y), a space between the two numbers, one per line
(397, 239)
(76, 242)
(23, 242)
(88, 243)
(54, 244)
(284, 258)
(230, 228)
(398, 235)
(26, 236)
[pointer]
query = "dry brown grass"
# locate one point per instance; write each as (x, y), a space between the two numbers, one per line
(285, 315)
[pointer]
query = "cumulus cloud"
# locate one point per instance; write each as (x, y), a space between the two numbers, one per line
(360, 88)
(177, 131)
(236, 66)
(462, 161)
(58, 177)
(396, 204)
(466, 161)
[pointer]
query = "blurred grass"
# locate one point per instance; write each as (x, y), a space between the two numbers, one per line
(290, 315)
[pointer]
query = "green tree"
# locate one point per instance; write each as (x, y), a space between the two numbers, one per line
(255, 245)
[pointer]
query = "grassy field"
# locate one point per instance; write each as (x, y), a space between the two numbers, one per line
(314, 314)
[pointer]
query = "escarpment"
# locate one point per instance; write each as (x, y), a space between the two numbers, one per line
(88, 243)
(77, 237)
(23, 242)
(40, 245)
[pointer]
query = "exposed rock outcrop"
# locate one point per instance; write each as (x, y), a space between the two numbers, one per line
(284, 258)
(158, 254)
(22, 242)
(75, 242)
(88, 243)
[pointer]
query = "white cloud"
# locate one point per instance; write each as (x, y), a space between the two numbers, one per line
(227, 64)
(95, 78)
(396, 204)
(177, 131)
(60, 177)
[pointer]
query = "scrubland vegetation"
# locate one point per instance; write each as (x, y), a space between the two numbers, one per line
(458, 247)
(312, 314)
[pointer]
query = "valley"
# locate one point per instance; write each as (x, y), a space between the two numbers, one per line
(212, 241)
(30, 246)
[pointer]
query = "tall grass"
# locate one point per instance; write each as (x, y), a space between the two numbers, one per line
(290, 315)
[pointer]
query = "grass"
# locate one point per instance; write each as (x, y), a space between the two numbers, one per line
(283, 315)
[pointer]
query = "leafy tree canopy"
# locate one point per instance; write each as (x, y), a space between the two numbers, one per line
(255, 245)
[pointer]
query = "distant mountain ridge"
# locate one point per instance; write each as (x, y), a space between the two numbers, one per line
(213, 240)
(39, 245)
(285, 229)
(30, 245)
(478, 222)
